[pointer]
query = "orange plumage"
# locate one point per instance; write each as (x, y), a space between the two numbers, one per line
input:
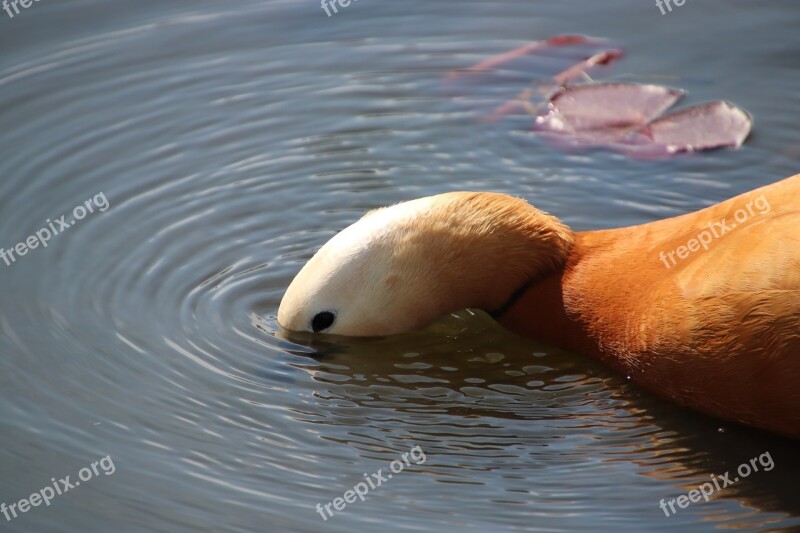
(717, 330)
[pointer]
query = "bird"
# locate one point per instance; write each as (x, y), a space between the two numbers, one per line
(702, 309)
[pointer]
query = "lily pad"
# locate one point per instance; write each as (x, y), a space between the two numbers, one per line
(624, 117)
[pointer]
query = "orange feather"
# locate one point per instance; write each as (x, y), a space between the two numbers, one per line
(716, 329)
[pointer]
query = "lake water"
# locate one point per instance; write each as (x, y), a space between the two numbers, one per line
(231, 140)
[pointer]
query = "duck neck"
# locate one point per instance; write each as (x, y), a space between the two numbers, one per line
(482, 250)
(539, 312)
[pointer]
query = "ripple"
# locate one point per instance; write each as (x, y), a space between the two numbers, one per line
(230, 144)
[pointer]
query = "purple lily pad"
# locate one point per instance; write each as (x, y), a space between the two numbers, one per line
(624, 117)
(540, 68)
(604, 112)
(559, 58)
(621, 116)
(702, 127)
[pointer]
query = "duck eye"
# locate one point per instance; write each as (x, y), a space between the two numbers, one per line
(322, 321)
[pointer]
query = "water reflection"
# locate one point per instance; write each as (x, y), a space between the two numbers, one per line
(460, 381)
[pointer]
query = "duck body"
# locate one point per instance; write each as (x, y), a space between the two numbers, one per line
(703, 308)
(716, 329)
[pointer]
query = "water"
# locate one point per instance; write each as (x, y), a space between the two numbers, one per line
(233, 139)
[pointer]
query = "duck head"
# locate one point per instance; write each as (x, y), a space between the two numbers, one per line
(402, 267)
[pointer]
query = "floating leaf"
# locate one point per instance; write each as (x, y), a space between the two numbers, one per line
(702, 127)
(623, 117)
(604, 112)
(557, 58)
(537, 69)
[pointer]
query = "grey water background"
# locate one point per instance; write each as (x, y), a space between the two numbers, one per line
(232, 139)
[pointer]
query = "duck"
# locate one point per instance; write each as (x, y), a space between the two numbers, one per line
(702, 309)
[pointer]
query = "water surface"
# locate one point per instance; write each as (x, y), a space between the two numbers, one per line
(231, 141)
